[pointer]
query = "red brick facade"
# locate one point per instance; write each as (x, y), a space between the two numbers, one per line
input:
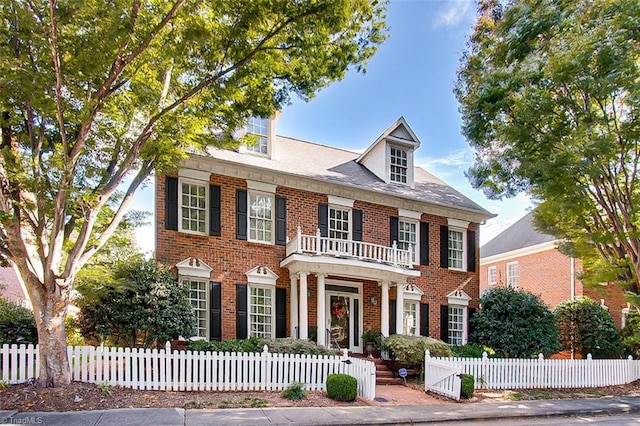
(230, 258)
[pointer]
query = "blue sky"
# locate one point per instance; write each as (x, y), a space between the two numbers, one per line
(412, 75)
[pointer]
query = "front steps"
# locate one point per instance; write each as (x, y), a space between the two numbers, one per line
(384, 375)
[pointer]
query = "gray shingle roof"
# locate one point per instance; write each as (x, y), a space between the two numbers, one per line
(324, 163)
(519, 235)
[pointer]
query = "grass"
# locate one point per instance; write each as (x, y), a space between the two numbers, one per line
(248, 402)
(533, 394)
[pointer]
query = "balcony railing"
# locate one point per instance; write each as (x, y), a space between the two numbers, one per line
(325, 246)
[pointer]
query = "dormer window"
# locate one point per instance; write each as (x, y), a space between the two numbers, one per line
(258, 128)
(398, 165)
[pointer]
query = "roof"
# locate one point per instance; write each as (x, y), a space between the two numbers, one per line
(519, 235)
(339, 166)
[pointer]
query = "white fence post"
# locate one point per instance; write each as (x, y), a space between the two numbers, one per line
(264, 370)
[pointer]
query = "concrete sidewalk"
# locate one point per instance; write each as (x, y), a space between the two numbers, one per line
(363, 415)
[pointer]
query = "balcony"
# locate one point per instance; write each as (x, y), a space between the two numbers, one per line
(317, 245)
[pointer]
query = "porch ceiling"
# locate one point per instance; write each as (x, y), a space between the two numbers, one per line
(344, 267)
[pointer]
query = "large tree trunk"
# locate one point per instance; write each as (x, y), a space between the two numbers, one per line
(50, 303)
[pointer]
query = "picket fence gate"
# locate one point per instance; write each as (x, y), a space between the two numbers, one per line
(153, 369)
(537, 373)
(441, 378)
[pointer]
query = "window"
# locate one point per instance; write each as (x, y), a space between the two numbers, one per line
(491, 275)
(260, 217)
(408, 236)
(456, 249)
(193, 207)
(261, 312)
(339, 223)
(398, 165)
(512, 274)
(625, 316)
(456, 325)
(411, 318)
(258, 128)
(198, 299)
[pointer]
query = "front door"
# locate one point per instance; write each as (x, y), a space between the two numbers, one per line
(343, 321)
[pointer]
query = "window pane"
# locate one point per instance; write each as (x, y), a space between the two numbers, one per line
(193, 209)
(198, 300)
(456, 249)
(338, 223)
(260, 318)
(260, 217)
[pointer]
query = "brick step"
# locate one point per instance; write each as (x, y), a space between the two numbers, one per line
(389, 381)
(384, 373)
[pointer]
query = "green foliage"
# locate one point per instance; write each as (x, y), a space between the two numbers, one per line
(467, 387)
(342, 387)
(630, 334)
(585, 327)
(74, 337)
(370, 335)
(515, 323)
(105, 389)
(17, 324)
(147, 307)
(294, 391)
(472, 351)
(410, 349)
(296, 346)
(549, 100)
(252, 344)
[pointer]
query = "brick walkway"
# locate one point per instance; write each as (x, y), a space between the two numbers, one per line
(390, 395)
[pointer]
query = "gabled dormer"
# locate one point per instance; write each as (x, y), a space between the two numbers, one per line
(390, 157)
(261, 132)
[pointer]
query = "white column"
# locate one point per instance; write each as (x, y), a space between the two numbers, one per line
(384, 309)
(293, 307)
(400, 308)
(321, 314)
(304, 308)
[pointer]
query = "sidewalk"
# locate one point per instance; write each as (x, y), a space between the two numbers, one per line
(371, 415)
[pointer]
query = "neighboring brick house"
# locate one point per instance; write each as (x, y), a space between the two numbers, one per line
(524, 258)
(291, 238)
(11, 287)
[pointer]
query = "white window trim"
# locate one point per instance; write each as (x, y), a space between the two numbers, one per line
(262, 277)
(207, 309)
(493, 269)
(508, 276)
(196, 182)
(416, 245)
(625, 315)
(340, 201)
(465, 328)
(270, 132)
(464, 247)
(273, 216)
(194, 269)
(349, 222)
(415, 302)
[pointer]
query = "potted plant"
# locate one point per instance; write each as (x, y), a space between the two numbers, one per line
(371, 339)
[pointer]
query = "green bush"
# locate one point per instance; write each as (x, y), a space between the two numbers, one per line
(631, 334)
(296, 346)
(342, 387)
(17, 324)
(467, 387)
(410, 349)
(252, 344)
(294, 391)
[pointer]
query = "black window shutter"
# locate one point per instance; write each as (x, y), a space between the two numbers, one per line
(215, 310)
(357, 225)
(424, 319)
(356, 321)
(323, 219)
(281, 220)
(281, 312)
(471, 251)
(242, 326)
(393, 230)
(214, 210)
(241, 214)
(392, 317)
(424, 243)
(471, 314)
(444, 323)
(444, 246)
(171, 203)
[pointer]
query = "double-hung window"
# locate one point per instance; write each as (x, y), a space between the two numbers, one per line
(456, 322)
(398, 165)
(408, 237)
(258, 128)
(260, 217)
(492, 275)
(198, 300)
(456, 249)
(261, 312)
(411, 318)
(512, 274)
(339, 223)
(193, 207)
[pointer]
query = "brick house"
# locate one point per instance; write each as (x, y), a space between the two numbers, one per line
(290, 238)
(524, 258)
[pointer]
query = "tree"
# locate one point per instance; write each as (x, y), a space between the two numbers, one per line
(514, 323)
(630, 333)
(146, 307)
(585, 327)
(94, 98)
(549, 99)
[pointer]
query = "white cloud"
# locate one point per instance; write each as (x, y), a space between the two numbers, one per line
(451, 13)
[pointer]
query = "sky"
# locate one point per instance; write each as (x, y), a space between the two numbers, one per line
(412, 75)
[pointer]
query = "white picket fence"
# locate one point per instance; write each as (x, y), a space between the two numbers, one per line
(500, 373)
(153, 369)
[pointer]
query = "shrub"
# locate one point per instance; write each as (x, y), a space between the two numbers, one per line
(631, 334)
(410, 349)
(17, 324)
(252, 344)
(468, 351)
(296, 346)
(467, 386)
(74, 338)
(294, 391)
(374, 336)
(342, 387)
